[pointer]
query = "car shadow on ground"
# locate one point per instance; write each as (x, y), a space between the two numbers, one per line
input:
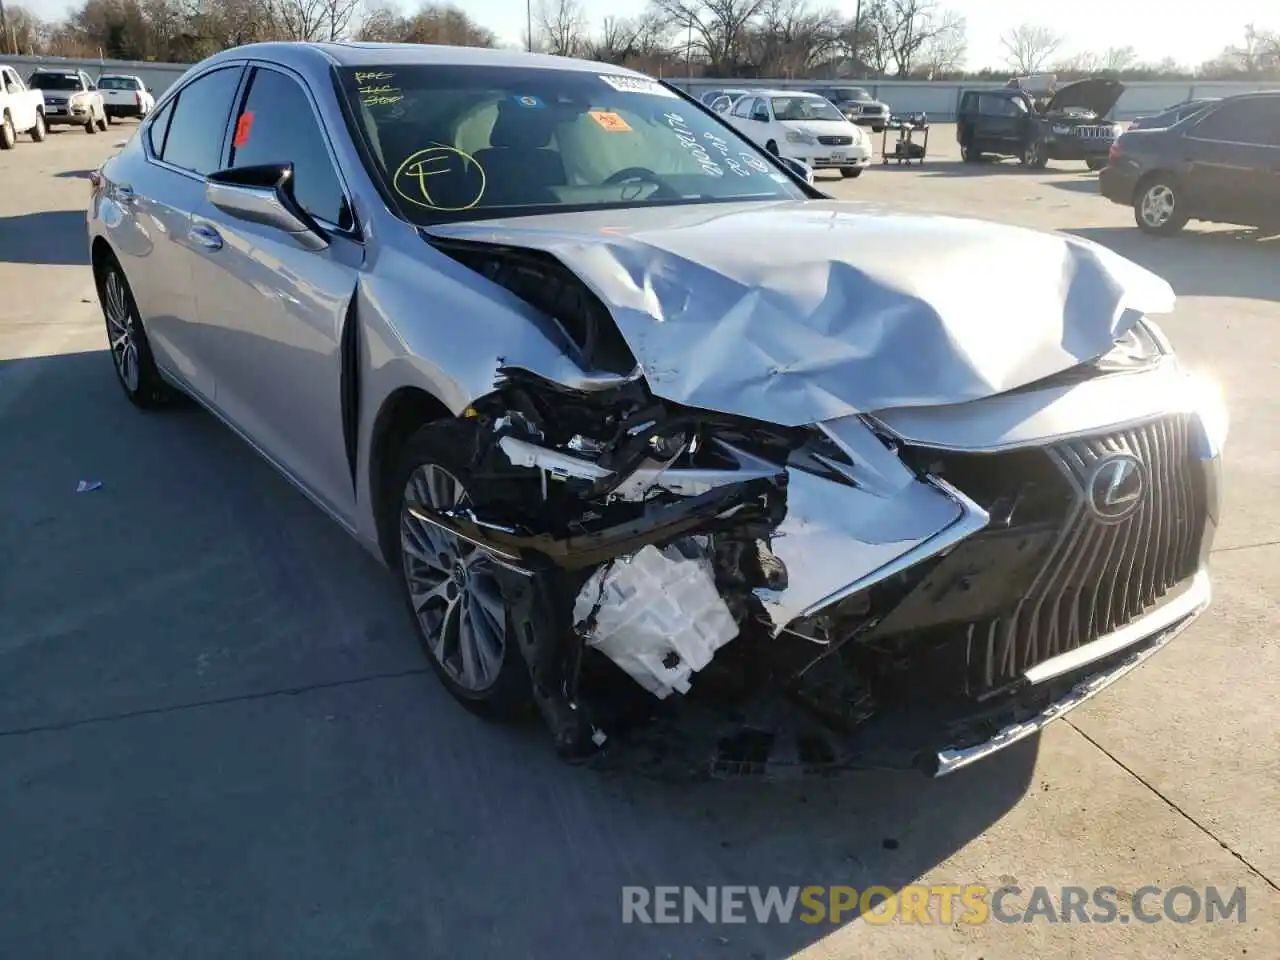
(74, 174)
(231, 695)
(1086, 183)
(52, 237)
(952, 168)
(1200, 261)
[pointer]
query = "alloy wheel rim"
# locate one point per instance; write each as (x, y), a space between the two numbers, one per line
(10, 135)
(1157, 205)
(453, 586)
(120, 331)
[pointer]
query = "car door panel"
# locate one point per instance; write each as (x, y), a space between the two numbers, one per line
(1232, 156)
(273, 310)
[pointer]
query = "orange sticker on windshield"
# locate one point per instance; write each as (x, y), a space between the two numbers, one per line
(610, 121)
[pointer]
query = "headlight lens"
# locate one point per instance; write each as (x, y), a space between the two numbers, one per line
(1210, 405)
(795, 136)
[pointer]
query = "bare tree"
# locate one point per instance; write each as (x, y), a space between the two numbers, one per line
(432, 23)
(719, 28)
(902, 28)
(946, 50)
(26, 33)
(562, 25)
(1029, 46)
(790, 38)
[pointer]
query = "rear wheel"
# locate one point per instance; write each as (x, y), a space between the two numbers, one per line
(1095, 165)
(91, 125)
(102, 121)
(1033, 156)
(967, 153)
(850, 173)
(39, 131)
(8, 136)
(130, 351)
(451, 587)
(1157, 207)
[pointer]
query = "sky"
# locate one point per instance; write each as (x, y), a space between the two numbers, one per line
(1150, 26)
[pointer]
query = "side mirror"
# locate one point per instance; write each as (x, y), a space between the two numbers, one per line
(799, 168)
(264, 194)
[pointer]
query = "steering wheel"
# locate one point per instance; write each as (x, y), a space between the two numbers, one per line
(633, 173)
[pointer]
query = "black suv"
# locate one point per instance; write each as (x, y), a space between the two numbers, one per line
(1070, 125)
(1220, 164)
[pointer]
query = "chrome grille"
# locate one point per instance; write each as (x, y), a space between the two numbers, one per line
(1100, 573)
(842, 141)
(1096, 133)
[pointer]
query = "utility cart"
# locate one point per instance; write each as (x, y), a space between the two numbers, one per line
(904, 147)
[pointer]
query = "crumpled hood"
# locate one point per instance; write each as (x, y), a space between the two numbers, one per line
(802, 311)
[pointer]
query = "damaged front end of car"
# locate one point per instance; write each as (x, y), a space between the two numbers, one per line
(701, 592)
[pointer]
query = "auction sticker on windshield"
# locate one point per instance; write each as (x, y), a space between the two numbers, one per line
(637, 85)
(610, 121)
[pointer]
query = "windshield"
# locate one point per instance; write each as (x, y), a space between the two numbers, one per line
(117, 83)
(468, 142)
(850, 93)
(54, 81)
(805, 108)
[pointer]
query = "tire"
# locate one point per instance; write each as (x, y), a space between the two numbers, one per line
(968, 154)
(1095, 165)
(127, 341)
(102, 122)
(851, 173)
(110, 119)
(8, 136)
(1154, 215)
(91, 125)
(772, 147)
(493, 682)
(40, 130)
(1033, 157)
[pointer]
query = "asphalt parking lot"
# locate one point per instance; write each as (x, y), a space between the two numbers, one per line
(218, 736)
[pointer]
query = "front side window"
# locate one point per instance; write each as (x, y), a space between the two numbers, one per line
(850, 93)
(459, 142)
(11, 81)
(199, 122)
(744, 106)
(1253, 121)
(277, 125)
(805, 108)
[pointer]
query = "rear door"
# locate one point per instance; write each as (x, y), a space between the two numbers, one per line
(1233, 160)
(183, 143)
(1000, 123)
(274, 311)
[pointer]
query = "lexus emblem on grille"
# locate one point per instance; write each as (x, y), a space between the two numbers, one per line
(1116, 487)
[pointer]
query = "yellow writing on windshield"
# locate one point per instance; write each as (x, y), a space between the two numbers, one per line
(440, 178)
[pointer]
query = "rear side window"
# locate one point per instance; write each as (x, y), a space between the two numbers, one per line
(199, 121)
(277, 125)
(1255, 121)
(159, 127)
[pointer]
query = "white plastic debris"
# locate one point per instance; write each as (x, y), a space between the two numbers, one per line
(657, 615)
(87, 486)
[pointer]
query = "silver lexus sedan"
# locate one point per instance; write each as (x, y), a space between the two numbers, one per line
(656, 438)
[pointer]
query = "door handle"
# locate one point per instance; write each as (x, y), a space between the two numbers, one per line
(203, 235)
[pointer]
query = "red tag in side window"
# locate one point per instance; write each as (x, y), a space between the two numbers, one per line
(243, 126)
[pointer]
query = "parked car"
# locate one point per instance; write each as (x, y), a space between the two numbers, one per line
(1070, 124)
(1172, 114)
(858, 105)
(21, 110)
(803, 126)
(722, 100)
(644, 425)
(1218, 164)
(125, 96)
(70, 98)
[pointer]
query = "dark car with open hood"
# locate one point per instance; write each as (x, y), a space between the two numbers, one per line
(1221, 164)
(655, 439)
(1012, 122)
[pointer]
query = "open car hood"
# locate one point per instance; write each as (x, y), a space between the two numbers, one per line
(803, 311)
(1098, 95)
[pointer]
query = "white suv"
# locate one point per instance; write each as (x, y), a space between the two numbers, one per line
(125, 96)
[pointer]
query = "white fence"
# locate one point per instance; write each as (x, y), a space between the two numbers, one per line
(939, 100)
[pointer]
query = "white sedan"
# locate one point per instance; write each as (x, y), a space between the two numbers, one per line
(804, 127)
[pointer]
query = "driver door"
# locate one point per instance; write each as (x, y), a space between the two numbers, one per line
(21, 103)
(275, 311)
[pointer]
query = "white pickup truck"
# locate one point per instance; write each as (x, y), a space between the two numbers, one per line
(21, 110)
(125, 96)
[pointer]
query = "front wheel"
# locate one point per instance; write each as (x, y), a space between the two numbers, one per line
(110, 119)
(39, 131)
(452, 588)
(850, 173)
(91, 125)
(130, 351)
(1157, 208)
(8, 136)
(102, 122)
(1095, 165)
